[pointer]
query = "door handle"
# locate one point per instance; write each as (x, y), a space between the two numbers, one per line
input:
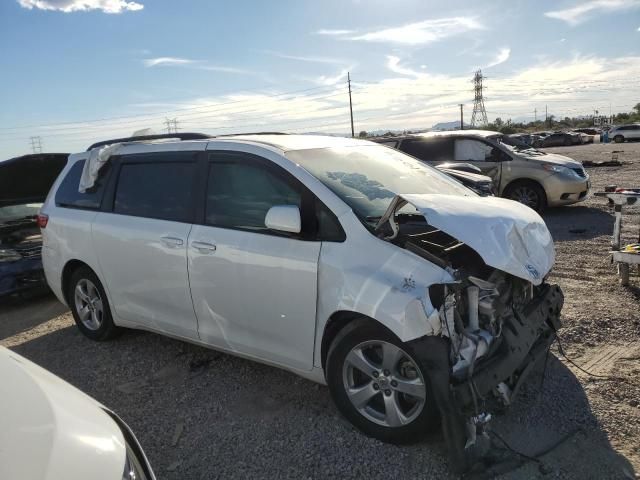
(204, 247)
(172, 242)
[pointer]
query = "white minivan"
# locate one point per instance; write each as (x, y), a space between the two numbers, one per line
(341, 260)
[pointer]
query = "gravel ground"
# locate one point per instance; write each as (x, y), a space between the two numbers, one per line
(201, 414)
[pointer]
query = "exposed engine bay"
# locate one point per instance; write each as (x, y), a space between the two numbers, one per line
(495, 328)
(20, 255)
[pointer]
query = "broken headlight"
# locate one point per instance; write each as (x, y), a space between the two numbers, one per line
(8, 255)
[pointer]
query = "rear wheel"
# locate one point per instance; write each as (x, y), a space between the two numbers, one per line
(379, 385)
(528, 193)
(89, 306)
(618, 139)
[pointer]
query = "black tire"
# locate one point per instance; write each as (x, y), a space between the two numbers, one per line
(618, 139)
(528, 193)
(105, 329)
(352, 336)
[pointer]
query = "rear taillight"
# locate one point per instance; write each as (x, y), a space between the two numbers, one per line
(42, 220)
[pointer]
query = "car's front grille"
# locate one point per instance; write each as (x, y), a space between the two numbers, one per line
(580, 171)
(29, 251)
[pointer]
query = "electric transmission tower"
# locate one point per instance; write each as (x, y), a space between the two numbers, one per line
(172, 125)
(36, 144)
(479, 116)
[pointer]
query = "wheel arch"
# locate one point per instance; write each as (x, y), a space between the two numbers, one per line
(336, 323)
(70, 267)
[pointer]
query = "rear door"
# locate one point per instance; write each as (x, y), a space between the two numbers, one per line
(141, 241)
(254, 290)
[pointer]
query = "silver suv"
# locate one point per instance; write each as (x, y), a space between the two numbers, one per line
(519, 172)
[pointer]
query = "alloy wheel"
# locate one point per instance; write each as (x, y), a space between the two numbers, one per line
(89, 304)
(526, 195)
(384, 383)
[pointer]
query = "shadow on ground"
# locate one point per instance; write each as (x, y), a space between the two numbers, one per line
(578, 222)
(21, 313)
(204, 414)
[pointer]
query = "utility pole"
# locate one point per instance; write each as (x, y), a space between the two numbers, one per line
(36, 144)
(479, 115)
(535, 115)
(461, 117)
(546, 115)
(353, 134)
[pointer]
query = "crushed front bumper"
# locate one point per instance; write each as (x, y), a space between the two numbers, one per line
(524, 343)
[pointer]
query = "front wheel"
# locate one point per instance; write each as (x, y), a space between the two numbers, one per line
(379, 385)
(528, 193)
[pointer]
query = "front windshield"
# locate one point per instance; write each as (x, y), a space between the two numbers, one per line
(368, 177)
(18, 212)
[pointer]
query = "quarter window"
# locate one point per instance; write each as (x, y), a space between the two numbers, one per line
(162, 190)
(239, 195)
(68, 194)
(429, 150)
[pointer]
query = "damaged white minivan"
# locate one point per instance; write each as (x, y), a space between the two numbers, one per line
(341, 260)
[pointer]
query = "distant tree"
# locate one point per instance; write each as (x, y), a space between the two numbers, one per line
(362, 134)
(637, 108)
(498, 122)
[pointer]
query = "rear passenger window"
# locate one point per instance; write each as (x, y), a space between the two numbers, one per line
(429, 150)
(68, 194)
(239, 195)
(162, 190)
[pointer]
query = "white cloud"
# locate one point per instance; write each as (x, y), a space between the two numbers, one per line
(330, 32)
(190, 63)
(501, 57)
(327, 80)
(304, 58)
(67, 6)
(167, 61)
(421, 33)
(585, 10)
(393, 64)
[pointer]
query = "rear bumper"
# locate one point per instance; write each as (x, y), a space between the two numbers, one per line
(524, 344)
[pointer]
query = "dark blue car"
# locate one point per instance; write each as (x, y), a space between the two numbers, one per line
(24, 184)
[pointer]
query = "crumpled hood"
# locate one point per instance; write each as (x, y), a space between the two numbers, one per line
(50, 430)
(507, 235)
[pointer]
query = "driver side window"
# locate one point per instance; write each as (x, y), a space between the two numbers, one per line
(469, 150)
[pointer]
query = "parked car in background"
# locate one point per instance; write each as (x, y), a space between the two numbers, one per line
(24, 184)
(525, 138)
(335, 258)
(624, 133)
(51, 430)
(559, 139)
(589, 131)
(519, 172)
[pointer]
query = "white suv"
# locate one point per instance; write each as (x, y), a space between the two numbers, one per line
(625, 132)
(344, 261)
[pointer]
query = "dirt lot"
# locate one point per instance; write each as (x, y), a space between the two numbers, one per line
(201, 414)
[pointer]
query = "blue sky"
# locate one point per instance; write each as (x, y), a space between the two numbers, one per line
(76, 71)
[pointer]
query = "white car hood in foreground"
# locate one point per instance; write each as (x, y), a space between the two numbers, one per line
(49, 430)
(507, 235)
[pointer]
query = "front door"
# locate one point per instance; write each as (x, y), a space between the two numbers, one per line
(253, 289)
(142, 243)
(482, 154)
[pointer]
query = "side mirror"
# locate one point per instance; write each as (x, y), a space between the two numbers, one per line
(284, 218)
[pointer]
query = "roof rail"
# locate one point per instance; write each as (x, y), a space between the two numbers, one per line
(142, 138)
(251, 133)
